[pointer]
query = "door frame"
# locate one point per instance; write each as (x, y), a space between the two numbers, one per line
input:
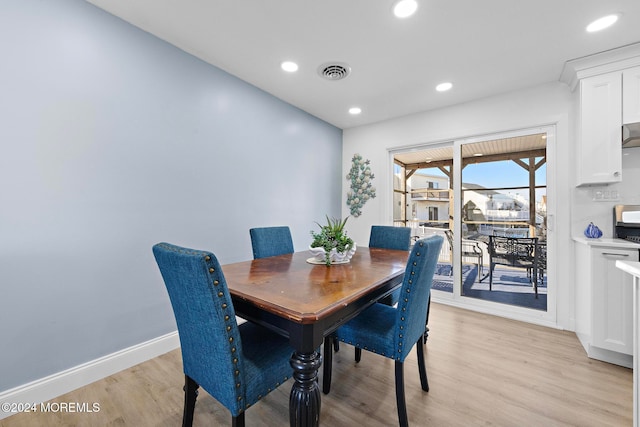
(548, 318)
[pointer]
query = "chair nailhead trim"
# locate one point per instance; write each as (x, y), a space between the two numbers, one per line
(211, 270)
(207, 258)
(216, 283)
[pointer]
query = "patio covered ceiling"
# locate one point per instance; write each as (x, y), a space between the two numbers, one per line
(479, 152)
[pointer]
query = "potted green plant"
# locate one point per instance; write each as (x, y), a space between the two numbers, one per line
(332, 245)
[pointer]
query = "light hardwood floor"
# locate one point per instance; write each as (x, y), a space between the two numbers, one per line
(483, 370)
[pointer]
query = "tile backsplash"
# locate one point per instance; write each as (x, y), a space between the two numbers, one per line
(595, 203)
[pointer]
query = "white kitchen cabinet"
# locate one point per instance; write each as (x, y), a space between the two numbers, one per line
(599, 150)
(631, 95)
(633, 269)
(612, 300)
(604, 302)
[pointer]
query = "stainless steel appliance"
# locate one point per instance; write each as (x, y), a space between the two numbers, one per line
(626, 222)
(631, 135)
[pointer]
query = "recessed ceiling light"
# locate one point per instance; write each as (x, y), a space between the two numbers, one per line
(355, 110)
(443, 87)
(289, 66)
(602, 23)
(405, 8)
(478, 154)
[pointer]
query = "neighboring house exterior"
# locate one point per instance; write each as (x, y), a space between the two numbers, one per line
(429, 199)
(428, 204)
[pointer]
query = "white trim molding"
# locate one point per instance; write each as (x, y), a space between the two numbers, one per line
(71, 379)
(600, 63)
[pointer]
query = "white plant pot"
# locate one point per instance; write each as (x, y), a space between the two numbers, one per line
(335, 257)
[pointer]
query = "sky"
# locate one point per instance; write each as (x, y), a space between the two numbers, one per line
(499, 175)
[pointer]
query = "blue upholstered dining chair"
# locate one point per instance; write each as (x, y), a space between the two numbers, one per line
(393, 331)
(386, 237)
(389, 237)
(271, 241)
(236, 364)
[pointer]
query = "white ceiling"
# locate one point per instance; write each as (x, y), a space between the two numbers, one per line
(483, 47)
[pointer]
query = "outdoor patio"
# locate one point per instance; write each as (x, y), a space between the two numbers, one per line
(510, 285)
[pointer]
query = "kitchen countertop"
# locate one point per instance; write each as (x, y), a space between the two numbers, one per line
(607, 242)
(631, 267)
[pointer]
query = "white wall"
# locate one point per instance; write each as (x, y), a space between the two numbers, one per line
(111, 141)
(542, 105)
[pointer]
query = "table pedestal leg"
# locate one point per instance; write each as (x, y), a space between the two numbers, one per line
(304, 401)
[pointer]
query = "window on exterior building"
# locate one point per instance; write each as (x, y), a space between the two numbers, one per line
(433, 213)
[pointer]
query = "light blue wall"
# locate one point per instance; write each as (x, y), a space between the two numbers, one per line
(110, 141)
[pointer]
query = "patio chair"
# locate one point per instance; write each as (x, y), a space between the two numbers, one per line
(469, 249)
(392, 332)
(520, 252)
(236, 364)
(542, 260)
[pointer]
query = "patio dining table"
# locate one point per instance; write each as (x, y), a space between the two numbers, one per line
(306, 302)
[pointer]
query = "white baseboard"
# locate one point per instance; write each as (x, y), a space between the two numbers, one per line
(609, 356)
(63, 382)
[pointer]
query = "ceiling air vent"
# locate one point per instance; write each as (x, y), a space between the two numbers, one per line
(334, 71)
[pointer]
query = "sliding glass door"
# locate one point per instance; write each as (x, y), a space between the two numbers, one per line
(503, 213)
(488, 197)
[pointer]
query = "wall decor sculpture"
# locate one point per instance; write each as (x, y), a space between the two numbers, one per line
(362, 189)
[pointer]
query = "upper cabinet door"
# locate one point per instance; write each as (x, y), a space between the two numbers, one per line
(631, 95)
(599, 145)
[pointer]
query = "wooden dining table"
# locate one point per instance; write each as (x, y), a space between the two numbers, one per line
(306, 302)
